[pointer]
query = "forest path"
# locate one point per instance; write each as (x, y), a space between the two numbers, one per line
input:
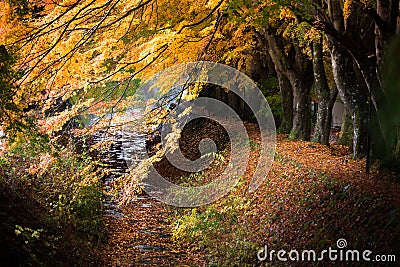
(141, 236)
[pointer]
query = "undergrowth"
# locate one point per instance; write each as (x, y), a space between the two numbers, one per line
(51, 211)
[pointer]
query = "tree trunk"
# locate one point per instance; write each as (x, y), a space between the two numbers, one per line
(326, 97)
(287, 104)
(346, 139)
(388, 12)
(235, 103)
(302, 110)
(353, 93)
(301, 77)
(298, 81)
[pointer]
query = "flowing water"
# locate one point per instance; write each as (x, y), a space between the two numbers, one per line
(139, 234)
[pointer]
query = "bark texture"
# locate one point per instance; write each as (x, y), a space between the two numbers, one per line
(354, 95)
(293, 66)
(326, 97)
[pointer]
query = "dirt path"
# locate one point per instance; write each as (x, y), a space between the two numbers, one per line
(140, 235)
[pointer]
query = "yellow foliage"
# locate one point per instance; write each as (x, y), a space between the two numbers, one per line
(347, 8)
(77, 44)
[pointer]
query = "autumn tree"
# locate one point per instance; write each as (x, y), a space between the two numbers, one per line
(236, 45)
(12, 96)
(70, 49)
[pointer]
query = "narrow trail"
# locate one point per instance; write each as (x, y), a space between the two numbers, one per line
(141, 237)
(139, 233)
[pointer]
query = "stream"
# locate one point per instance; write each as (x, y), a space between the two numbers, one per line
(139, 234)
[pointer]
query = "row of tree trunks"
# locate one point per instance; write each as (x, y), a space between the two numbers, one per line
(358, 35)
(357, 48)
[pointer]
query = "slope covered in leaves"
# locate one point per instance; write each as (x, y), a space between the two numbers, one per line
(312, 196)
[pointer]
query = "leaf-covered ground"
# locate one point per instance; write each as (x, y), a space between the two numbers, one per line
(312, 196)
(143, 237)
